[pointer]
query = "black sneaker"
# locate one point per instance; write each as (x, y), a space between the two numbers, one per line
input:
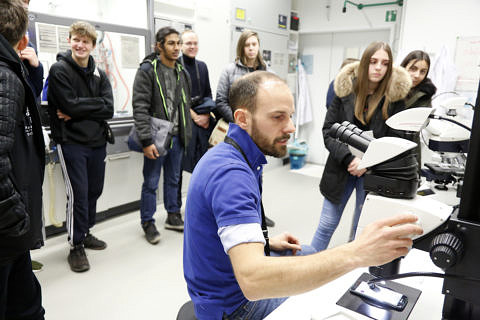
(174, 222)
(77, 259)
(269, 222)
(92, 242)
(151, 232)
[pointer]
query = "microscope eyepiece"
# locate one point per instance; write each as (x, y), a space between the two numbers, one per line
(350, 134)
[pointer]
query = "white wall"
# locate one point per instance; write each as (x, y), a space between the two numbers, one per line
(120, 12)
(429, 24)
(327, 16)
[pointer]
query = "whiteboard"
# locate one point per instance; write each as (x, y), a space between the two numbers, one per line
(467, 61)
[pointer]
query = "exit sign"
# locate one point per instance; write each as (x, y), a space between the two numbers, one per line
(391, 16)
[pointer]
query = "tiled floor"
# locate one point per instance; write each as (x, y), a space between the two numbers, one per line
(132, 279)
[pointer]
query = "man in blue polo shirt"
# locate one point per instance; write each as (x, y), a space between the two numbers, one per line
(225, 262)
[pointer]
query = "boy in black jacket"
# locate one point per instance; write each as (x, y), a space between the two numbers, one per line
(21, 172)
(80, 100)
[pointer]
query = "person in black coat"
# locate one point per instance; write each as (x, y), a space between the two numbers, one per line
(22, 162)
(417, 63)
(80, 100)
(201, 101)
(366, 94)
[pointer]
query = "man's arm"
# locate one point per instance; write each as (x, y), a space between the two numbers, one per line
(106, 95)
(221, 99)
(338, 150)
(62, 92)
(262, 277)
(201, 120)
(208, 89)
(141, 103)
(13, 216)
(35, 69)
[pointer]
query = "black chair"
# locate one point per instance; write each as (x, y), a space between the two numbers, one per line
(186, 312)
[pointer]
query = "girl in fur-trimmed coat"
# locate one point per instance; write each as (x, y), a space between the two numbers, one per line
(366, 94)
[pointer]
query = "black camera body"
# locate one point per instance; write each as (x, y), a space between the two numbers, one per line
(195, 101)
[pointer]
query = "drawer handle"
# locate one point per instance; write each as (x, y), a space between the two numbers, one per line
(122, 156)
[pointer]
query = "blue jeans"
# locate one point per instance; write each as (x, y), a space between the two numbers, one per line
(172, 165)
(257, 310)
(331, 214)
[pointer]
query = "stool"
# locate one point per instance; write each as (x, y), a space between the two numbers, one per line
(186, 312)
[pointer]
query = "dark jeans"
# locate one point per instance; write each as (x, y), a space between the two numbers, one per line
(20, 292)
(172, 165)
(86, 174)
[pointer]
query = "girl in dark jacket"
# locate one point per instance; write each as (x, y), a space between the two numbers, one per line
(249, 59)
(366, 94)
(417, 63)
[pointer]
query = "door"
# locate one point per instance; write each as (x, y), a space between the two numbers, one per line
(327, 51)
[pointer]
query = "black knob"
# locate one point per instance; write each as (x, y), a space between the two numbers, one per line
(445, 250)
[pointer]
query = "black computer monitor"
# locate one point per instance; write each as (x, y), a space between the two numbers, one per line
(470, 198)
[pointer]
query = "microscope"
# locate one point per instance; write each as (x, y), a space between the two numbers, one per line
(451, 235)
(449, 139)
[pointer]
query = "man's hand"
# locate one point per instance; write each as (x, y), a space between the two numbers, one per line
(385, 240)
(63, 116)
(29, 54)
(201, 120)
(285, 241)
(151, 152)
(352, 168)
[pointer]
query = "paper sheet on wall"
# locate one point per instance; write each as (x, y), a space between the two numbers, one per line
(352, 52)
(47, 36)
(130, 54)
(279, 60)
(307, 61)
(467, 60)
(63, 44)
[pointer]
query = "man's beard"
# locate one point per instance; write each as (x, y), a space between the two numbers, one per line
(269, 149)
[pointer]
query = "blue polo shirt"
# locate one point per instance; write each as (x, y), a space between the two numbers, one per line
(223, 191)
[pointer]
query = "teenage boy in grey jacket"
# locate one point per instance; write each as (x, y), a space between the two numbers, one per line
(162, 90)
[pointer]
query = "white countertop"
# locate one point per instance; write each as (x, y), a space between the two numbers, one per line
(320, 304)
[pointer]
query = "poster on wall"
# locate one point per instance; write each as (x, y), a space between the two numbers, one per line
(63, 35)
(118, 54)
(240, 14)
(47, 38)
(467, 61)
(130, 55)
(282, 21)
(267, 57)
(292, 63)
(307, 61)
